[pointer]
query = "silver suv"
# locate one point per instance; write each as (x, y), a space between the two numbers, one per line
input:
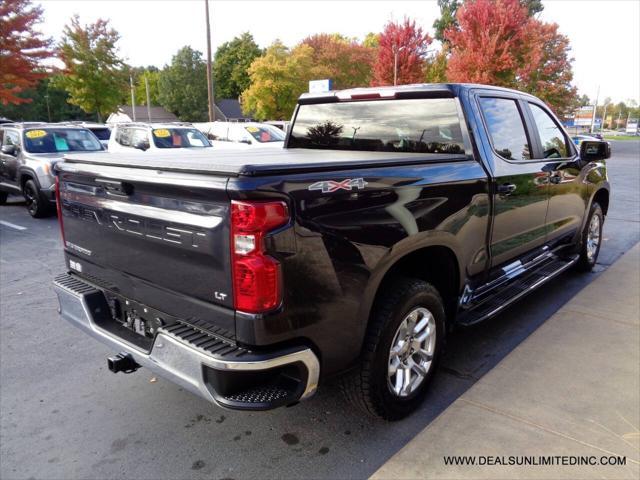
(28, 153)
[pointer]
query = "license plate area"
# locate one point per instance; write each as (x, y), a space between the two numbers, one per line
(132, 321)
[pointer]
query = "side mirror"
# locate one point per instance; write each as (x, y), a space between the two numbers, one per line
(246, 140)
(594, 150)
(9, 150)
(141, 145)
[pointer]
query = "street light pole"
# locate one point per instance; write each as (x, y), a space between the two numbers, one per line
(212, 112)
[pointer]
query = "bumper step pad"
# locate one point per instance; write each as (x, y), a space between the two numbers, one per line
(197, 356)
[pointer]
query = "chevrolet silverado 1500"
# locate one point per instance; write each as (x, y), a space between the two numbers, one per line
(392, 215)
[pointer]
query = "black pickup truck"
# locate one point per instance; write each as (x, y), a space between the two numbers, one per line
(391, 216)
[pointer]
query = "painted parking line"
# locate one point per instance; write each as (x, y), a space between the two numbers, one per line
(12, 225)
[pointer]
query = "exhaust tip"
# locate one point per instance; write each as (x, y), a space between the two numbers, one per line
(122, 362)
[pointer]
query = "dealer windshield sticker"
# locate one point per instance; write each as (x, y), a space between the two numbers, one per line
(36, 134)
(252, 129)
(329, 186)
(162, 133)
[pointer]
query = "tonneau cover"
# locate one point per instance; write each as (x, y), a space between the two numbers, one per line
(252, 162)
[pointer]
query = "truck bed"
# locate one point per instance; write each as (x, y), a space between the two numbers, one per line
(256, 162)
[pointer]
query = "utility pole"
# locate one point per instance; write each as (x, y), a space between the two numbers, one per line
(133, 97)
(595, 107)
(146, 87)
(212, 110)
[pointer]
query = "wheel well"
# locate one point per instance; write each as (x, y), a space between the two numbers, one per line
(24, 178)
(602, 197)
(436, 265)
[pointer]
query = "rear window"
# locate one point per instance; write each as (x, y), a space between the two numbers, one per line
(428, 125)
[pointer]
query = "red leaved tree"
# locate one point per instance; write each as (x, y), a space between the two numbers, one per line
(344, 60)
(497, 42)
(486, 47)
(546, 68)
(21, 49)
(405, 46)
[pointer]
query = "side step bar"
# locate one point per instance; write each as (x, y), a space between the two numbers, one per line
(511, 292)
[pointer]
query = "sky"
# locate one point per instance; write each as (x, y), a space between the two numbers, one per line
(604, 34)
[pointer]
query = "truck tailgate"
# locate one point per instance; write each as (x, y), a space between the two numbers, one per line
(161, 237)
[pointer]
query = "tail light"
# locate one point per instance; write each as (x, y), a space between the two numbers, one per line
(256, 276)
(59, 209)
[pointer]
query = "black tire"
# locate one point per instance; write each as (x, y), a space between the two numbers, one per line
(37, 205)
(3, 198)
(589, 257)
(368, 386)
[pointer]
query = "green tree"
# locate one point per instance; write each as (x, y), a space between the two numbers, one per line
(93, 75)
(231, 64)
(44, 102)
(152, 74)
(448, 9)
(371, 40)
(277, 80)
(182, 86)
(435, 69)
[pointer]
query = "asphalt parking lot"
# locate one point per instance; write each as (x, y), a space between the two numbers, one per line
(63, 415)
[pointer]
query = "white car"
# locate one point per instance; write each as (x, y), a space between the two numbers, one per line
(247, 134)
(144, 137)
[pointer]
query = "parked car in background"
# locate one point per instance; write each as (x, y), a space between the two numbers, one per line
(143, 137)
(100, 130)
(28, 154)
(251, 134)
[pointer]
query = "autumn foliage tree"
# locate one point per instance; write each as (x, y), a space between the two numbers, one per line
(278, 78)
(409, 43)
(498, 42)
(344, 60)
(22, 47)
(93, 73)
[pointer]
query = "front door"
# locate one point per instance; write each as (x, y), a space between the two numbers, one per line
(520, 196)
(568, 197)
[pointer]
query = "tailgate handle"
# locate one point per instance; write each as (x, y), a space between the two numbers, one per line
(114, 187)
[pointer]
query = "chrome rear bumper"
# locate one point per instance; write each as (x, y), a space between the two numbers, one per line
(175, 358)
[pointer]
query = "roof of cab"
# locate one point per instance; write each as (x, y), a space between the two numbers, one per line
(399, 91)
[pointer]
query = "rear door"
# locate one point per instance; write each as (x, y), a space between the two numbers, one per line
(520, 194)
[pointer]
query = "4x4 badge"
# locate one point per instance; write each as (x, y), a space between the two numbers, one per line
(328, 186)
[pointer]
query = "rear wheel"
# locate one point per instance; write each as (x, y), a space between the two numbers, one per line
(37, 205)
(3, 197)
(401, 351)
(591, 239)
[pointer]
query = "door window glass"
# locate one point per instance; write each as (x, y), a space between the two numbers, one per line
(553, 141)
(11, 138)
(506, 129)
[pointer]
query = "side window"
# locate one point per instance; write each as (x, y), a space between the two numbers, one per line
(139, 135)
(123, 137)
(553, 141)
(11, 138)
(506, 129)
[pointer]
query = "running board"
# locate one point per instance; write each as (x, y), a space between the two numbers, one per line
(520, 287)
